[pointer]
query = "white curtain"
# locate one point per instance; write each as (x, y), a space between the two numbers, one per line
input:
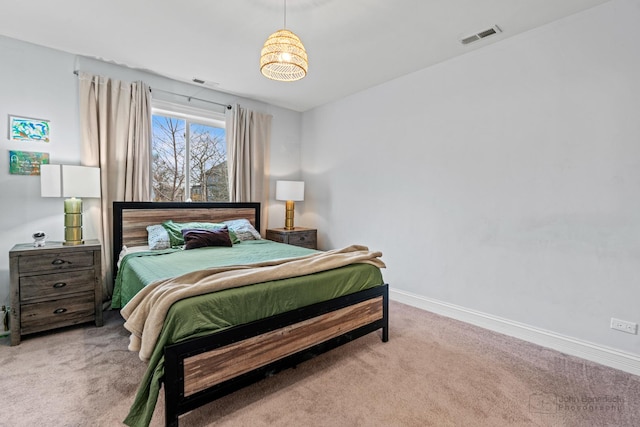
(248, 136)
(115, 119)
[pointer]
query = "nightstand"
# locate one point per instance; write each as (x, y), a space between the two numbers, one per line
(299, 236)
(54, 286)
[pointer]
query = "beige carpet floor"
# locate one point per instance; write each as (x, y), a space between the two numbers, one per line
(434, 371)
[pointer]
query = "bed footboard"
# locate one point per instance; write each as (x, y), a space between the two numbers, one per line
(200, 370)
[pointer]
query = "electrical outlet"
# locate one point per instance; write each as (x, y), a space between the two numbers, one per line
(624, 326)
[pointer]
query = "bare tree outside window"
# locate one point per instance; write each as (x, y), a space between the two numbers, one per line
(207, 166)
(167, 157)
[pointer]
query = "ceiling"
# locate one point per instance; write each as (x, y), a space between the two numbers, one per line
(352, 45)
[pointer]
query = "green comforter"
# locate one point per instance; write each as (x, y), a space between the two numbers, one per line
(208, 313)
(141, 268)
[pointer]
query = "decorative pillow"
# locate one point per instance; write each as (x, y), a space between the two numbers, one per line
(158, 237)
(200, 238)
(243, 229)
(174, 229)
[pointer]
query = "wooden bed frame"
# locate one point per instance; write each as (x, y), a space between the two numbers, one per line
(200, 370)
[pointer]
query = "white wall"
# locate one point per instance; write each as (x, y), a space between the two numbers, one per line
(39, 82)
(504, 181)
(34, 82)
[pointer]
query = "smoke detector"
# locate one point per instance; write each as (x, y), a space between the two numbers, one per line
(480, 35)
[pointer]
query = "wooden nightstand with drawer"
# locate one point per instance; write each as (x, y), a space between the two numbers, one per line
(299, 236)
(54, 286)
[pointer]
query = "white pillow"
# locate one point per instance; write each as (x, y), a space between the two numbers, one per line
(158, 237)
(243, 229)
(131, 250)
(123, 252)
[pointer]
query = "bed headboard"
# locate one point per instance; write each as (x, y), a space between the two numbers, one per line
(130, 219)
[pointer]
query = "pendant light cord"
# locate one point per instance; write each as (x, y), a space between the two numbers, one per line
(285, 14)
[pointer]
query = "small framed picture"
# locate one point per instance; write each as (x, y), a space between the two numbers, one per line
(26, 162)
(28, 129)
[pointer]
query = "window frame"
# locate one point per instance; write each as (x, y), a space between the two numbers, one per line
(190, 115)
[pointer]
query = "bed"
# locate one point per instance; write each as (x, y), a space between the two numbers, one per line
(223, 347)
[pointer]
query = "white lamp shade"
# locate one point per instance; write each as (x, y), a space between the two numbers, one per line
(50, 183)
(69, 181)
(290, 190)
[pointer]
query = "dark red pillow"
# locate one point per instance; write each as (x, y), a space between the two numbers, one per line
(197, 238)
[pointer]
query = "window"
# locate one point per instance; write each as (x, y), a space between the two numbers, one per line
(189, 155)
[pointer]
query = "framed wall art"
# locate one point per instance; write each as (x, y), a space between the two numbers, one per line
(26, 162)
(28, 129)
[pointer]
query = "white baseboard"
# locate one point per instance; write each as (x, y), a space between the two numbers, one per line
(596, 353)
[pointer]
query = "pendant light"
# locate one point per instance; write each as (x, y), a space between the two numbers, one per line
(283, 57)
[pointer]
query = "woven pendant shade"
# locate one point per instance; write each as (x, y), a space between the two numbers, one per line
(283, 57)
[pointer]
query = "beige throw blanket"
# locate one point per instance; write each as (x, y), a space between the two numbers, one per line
(146, 312)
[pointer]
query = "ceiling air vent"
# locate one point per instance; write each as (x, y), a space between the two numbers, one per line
(481, 35)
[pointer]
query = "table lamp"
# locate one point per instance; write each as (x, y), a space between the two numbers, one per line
(72, 182)
(289, 191)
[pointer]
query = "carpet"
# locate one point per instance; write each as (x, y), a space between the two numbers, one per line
(434, 371)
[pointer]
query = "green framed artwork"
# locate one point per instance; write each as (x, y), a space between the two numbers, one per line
(28, 129)
(26, 162)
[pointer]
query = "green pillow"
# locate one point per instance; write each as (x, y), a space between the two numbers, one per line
(174, 229)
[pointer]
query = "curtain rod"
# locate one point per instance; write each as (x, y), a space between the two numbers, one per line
(189, 98)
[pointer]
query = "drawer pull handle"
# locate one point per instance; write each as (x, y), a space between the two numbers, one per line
(58, 261)
(59, 310)
(301, 237)
(59, 285)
